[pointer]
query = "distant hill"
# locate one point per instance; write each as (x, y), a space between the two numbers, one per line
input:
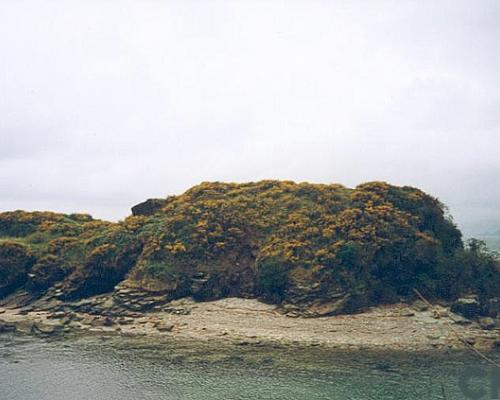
(304, 245)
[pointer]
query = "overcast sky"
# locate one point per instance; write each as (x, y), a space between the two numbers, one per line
(106, 103)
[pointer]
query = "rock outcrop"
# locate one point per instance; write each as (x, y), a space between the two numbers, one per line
(16, 259)
(469, 307)
(313, 249)
(148, 207)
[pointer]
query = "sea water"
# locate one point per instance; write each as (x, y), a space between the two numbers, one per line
(120, 368)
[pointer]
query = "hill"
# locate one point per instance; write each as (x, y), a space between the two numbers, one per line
(304, 246)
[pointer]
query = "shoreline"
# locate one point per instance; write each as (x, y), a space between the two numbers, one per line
(249, 322)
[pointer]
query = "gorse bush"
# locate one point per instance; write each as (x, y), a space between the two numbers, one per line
(376, 241)
(277, 240)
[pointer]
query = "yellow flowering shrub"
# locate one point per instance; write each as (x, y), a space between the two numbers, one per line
(278, 240)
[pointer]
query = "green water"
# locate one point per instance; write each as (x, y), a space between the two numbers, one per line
(94, 368)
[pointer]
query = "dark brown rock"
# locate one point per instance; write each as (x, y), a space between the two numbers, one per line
(102, 321)
(164, 327)
(148, 207)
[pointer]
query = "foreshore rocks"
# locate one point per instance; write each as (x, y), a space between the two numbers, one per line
(47, 329)
(138, 300)
(130, 311)
(31, 326)
(488, 323)
(249, 322)
(471, 307)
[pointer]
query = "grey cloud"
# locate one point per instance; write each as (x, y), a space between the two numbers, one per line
(103, 104)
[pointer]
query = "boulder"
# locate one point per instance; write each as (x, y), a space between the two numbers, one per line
(407, 313)
(420, 306)
(164, 327)
(469, 307)
(57, 314)
(125, 320)
(459, 320)
(42, 328)
(102, 321)
(177, 310)
(487, 323)
(148, 207)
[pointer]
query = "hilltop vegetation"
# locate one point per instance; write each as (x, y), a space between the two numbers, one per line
(493, 242)
(298, 244)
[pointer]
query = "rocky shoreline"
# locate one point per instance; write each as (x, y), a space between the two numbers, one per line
(249, 322)
(259, 263)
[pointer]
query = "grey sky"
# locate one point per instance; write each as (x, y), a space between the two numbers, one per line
(105, 103)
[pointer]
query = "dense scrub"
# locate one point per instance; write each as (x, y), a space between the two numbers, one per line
(301, 243)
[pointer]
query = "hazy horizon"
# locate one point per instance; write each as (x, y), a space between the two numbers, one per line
(106, 104)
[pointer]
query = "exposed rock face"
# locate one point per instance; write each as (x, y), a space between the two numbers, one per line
(148, 207)
(15, 261)
(47, 271)
(105, 267)
(315, 300)
(138, 300)
(233, 280)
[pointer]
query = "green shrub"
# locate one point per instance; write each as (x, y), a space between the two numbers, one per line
(272, 279)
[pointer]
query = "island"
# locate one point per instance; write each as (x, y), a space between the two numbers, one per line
(271, 262)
